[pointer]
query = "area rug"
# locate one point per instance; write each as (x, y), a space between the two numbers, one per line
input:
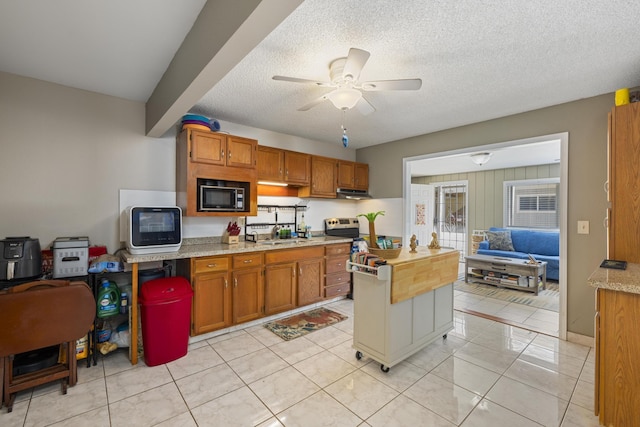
(301, 324)
(548, 299)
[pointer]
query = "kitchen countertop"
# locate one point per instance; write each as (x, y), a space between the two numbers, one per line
(200, 247)
(617, 280)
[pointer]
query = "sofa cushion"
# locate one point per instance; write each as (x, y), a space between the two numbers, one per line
(533, 241)
(500, 240)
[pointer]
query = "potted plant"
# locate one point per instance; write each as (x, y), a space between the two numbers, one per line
(371, 217)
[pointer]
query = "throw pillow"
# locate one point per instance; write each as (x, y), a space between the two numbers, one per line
(500, 240)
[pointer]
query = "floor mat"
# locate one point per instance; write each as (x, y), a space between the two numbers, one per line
(548, 299)
(301, 324)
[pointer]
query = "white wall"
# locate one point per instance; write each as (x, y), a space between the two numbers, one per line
(389, 224)
(66, 153)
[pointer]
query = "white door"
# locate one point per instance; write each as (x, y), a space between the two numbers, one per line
(422, 213)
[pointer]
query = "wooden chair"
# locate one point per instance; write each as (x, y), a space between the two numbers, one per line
(41, 314)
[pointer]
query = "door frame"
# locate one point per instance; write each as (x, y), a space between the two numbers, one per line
(563, 206)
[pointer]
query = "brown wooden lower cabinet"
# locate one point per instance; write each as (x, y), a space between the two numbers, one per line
(310, 281)
(280, 289)
(617, 386)
(212, 307)
(238, 288)
(223, 296)
(293, 277)
(337, 278)
(248, 294)
(211, 304)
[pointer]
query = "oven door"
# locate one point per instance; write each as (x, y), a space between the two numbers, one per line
(216, 198)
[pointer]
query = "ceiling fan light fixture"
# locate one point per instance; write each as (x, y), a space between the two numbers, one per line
(344, 98)
(480, 158)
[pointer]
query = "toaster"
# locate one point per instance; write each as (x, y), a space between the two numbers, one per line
(20, 258)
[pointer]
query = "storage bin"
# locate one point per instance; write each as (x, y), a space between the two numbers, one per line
(70, 257)
(165, 311)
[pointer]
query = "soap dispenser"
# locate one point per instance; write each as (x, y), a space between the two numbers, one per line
(302, 227)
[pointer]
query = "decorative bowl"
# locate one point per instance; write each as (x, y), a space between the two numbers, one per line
(386, 253)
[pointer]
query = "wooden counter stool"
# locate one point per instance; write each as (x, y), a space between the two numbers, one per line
(41, 314)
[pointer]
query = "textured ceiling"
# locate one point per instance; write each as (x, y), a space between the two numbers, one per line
(478, 60)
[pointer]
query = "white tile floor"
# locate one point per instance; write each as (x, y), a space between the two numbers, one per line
(484, 374)
(523, 316)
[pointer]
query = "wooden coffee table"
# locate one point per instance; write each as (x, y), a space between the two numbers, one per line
(500, 266)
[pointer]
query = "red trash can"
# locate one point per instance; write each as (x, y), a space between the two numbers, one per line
(165, 311)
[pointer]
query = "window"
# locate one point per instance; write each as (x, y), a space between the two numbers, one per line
(541, 203)
(532, 203)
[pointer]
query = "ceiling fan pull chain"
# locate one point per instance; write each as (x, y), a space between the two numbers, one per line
(345, 137)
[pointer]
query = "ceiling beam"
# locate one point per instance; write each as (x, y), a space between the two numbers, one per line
(223, 34)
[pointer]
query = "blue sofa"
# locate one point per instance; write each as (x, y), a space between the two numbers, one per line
(543, 245)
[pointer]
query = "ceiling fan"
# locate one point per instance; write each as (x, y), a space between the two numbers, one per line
(344, 74)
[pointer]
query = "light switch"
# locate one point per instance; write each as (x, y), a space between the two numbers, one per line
(583, 227)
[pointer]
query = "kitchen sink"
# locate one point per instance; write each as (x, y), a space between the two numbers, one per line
(279, 241)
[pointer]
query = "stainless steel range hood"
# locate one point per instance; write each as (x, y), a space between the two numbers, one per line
(343, 193)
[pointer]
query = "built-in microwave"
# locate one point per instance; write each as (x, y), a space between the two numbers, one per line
(222, 196)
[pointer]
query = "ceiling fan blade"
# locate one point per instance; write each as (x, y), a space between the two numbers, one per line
(402, 84)
(297, 80)
(364, 107)
(313, 103)
(354, 64)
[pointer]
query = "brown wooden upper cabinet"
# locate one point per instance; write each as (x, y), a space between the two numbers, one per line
(214, 156)
(352, 175)
(323, 178)
(624, 182)
(222, 150)
(286, 166)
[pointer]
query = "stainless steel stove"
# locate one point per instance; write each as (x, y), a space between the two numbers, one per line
(342, 227)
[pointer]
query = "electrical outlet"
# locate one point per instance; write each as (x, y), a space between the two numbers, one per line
(240, 221)
(583, 227)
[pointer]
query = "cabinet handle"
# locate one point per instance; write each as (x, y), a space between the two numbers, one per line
(286, 172)
(222, 153)
(229, 154)
(300, 270)
(235, 282)
(293, 273)
(606, 186)
(226, 284)
(339, 264)
(212, 265)
(247, 261)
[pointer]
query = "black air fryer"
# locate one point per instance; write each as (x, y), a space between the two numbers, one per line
(20, 260)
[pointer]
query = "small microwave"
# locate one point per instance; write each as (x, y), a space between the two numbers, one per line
(153, 229)
(222, 196)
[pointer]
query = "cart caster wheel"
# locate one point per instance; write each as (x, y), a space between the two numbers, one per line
(384, 368)
(358, 355)
(444, 336)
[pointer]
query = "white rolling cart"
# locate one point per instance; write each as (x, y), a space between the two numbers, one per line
(402, 307)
